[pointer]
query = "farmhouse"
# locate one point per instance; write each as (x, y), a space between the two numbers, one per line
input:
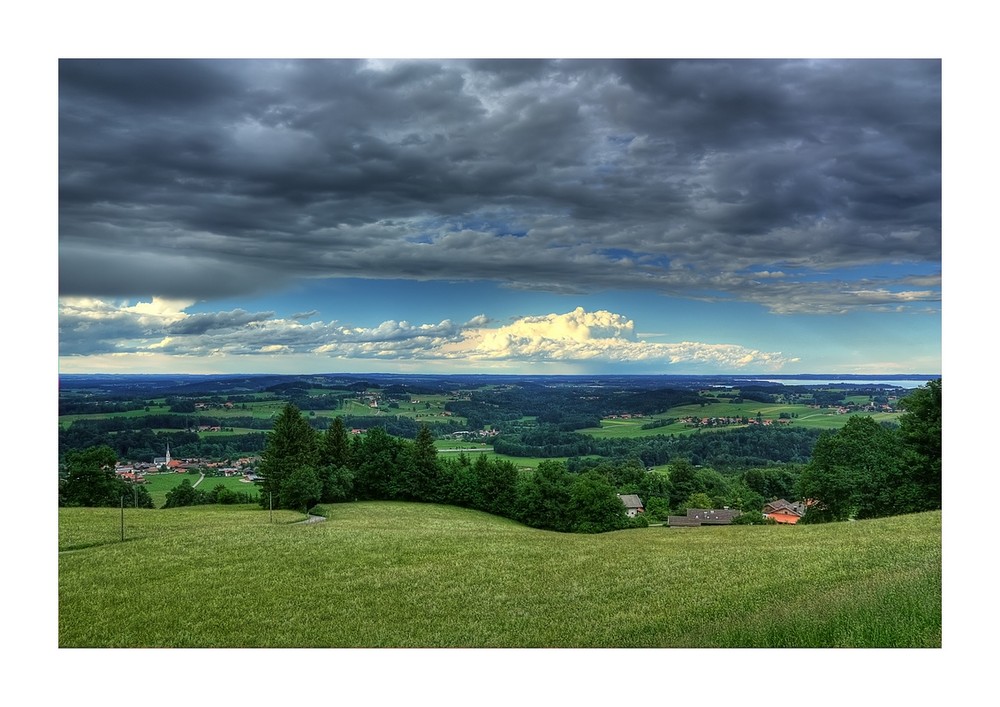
(783, 511)
(703, 516)
(633, 505)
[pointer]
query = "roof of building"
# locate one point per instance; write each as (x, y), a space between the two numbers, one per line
(783, 506)
(682, 522)
(709, 515)
(630, 500)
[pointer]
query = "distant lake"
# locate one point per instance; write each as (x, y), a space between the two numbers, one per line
(902, 383)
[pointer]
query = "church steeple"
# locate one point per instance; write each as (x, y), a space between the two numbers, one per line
(168, 454)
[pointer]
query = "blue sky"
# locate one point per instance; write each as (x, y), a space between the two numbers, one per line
(577, 216)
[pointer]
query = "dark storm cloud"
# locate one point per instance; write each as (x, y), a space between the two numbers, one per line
(204, 323)
(206, 179)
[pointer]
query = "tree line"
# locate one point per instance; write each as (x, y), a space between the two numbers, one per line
(185, 494)
(302, 468)
(869, 470)
(87, 478)
(730, 450)
(143, 438)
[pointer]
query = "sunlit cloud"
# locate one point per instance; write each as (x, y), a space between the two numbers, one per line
(576, 336)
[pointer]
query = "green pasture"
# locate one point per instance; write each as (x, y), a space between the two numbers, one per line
(416, 411)
(446, 444)
(387, 574)
(473, 451)
(801, 416)
(260, 409)
(158, 484)
(67, 420)
(226, 432)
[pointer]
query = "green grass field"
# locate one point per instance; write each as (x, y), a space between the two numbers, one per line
(158, 484)
(805, 416)
(397, 574)
(449, 449)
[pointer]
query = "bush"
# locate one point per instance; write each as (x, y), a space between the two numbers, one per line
(639, 521)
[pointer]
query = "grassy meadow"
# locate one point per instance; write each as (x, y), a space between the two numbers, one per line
(159, 484)
(805, 416)
(415, 575)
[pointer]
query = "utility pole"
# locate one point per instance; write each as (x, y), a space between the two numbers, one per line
(270, 507)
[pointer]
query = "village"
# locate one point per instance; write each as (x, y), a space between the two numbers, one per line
(136, 472)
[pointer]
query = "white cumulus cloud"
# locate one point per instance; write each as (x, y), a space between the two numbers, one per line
(599, 336)
(94, 328)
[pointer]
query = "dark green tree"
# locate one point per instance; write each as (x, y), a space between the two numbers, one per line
(655, 486)
(301, 489)
(496, 482)
(222, 495)
(683, 481)
(89, 478)
(377, 465)
(419, 469)
(657, 508)
(335, 450)
(772, 483)
(920, 431)
(853, 472)
(742, 497)
(594, 505)
(496, 486)
(544, 497)
(337, 484)
(713, 484)
(291, 446)
(140, 495)
(184, 494)
(458, 485)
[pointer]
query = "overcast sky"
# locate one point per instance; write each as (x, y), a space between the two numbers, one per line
(511, 215)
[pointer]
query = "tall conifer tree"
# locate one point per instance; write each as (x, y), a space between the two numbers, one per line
(291, 447)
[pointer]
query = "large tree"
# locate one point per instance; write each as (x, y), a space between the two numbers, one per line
(419, 471)
(684, 481)
(496, 482)
(920, 431)
(377, 467)
(335, 450)
(301, 489)
(334, 470)
(594, 505)
(544, 497)
(854, 472)
(291, 446)
(89, 478)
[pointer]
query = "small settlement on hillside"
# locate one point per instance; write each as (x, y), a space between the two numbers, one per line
(136, 472)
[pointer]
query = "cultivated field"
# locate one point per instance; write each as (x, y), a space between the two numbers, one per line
(397, 574)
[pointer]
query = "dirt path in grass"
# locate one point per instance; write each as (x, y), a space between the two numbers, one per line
(312, 519)
(195, 485)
